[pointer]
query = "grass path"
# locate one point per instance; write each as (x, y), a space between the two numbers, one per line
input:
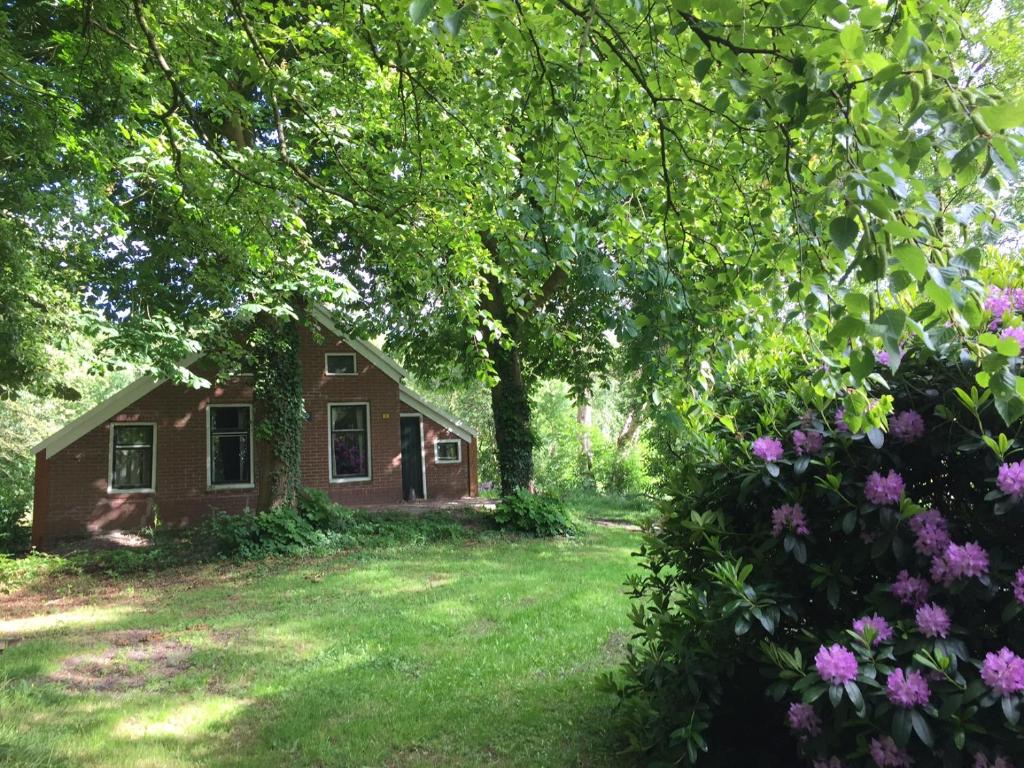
(479, 653)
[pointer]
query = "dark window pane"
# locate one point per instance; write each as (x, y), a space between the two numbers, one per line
(349, 454)
(229, 419)
(133, 435)
(230, 459)
(342, 363)
(133, 468)
(349, 417)
(448, 451)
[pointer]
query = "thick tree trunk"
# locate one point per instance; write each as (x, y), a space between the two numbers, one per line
(628, 432)
(513, 431)
(277, 410)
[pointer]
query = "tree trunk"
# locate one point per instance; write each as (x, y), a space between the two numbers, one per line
(628, 432)
(278, 410)
(513, 432)
(585, 419)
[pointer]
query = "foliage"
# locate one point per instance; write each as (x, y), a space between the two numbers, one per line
(539, 514)
(762, 562)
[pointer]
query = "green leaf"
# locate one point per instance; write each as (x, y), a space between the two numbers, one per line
(420, 9)
(912, 259)
(843, 230)
(1002, 116)
(921, 728)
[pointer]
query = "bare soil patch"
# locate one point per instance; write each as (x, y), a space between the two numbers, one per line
(135, 658)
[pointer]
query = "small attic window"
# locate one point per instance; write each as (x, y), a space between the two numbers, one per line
(340, 364)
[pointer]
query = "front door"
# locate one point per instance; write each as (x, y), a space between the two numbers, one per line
(412, 459)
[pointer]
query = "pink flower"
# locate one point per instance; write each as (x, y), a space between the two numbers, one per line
(1011, 479)
(1003, 672)
(884, 490)
(768, 449)
(836, 665)
(931, 532)
(841, 425)
(1018, 586)
(887, 754)
(910, 590)
(807, 443)
(932, 620)
(967, 560)
(906, 426)
(803, 719)
(907, 689)
(789, 517)
(883, 632)
(1016, 333)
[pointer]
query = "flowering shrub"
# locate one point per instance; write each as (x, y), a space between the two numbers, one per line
(848, 599)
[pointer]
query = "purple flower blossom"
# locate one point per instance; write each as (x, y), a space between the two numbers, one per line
(981, 761)
(931, 532)
(1016, 333)
(803, 719)
(910, 590)
(841, 425)
(967, 560)
(907, 689)
(1011, 479)
(884, 490)
(836, 665)
(887, 754)
(768, 449)
(1018, 586)
(906, 426)
(807, 443)
(789, 517)
(999, 301)
(1003, 672)
(932, 620)
(883, 632)
(883, 358)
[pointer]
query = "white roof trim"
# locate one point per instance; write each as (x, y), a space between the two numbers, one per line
(103, 412)
(443, 418)
(388, 366)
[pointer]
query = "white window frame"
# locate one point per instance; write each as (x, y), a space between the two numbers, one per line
(110, 460)
(437, 452)
(423, 445)
(209, 450)
(330, 445)
(355, 363)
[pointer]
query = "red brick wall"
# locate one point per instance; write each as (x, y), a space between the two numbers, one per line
(445, 481)
(72, 486)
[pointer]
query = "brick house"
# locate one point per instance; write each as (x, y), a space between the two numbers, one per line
(159, 448)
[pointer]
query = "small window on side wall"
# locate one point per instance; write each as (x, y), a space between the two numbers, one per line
(230, 445)
(448, 452)
(340, 363)
(132, 457)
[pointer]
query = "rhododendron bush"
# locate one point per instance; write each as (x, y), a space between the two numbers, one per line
(843, 586)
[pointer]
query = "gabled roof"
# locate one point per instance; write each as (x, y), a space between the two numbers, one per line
(442, 417)
(141, 387)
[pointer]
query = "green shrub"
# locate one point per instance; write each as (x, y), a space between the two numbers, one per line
(859, 576)
(540, 514)
(316, 508)
(280, 531)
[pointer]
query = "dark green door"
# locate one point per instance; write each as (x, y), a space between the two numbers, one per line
(412, 459)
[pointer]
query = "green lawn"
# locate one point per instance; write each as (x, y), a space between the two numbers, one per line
(475, 653)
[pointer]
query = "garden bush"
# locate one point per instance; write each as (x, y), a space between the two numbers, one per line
(843, 587)
(539, 514)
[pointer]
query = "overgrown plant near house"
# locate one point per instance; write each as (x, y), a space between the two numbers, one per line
(539, 514)
(846, 583)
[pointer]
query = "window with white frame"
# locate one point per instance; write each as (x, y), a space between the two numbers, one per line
(340, 363)
(447, 451)
(349, 425)
(230, 428)
(132, 457)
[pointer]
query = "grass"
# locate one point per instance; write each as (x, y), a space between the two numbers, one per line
(481, 652)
